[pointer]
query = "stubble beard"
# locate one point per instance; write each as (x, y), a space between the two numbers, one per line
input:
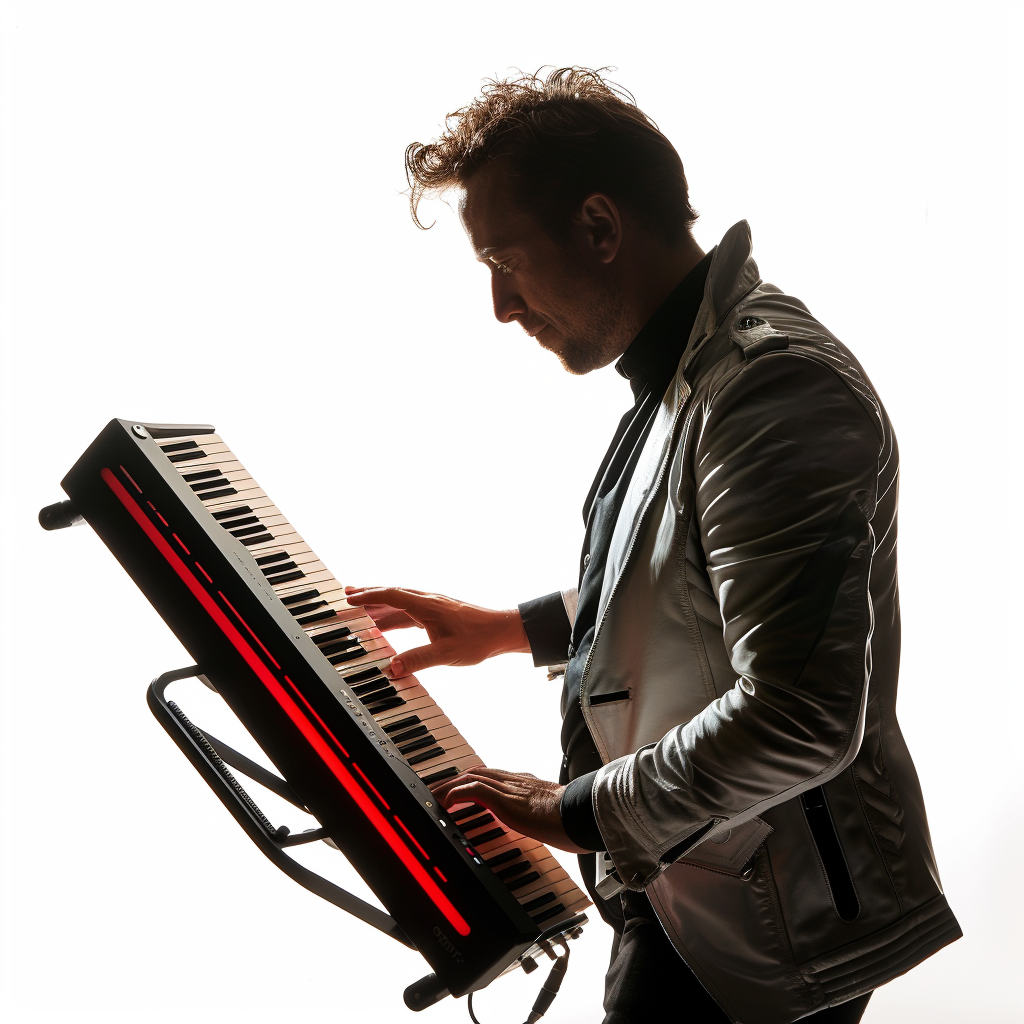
(593, 334)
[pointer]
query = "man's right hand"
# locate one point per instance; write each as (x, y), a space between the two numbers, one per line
(460, 633)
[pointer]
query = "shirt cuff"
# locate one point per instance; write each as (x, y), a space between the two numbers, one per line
(547, 628)
(577, 811)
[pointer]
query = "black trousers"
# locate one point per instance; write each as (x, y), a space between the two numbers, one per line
(648, 982)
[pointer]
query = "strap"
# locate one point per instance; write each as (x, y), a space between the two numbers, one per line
(755, 336)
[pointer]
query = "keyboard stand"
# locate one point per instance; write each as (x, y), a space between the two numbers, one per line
(211, 758)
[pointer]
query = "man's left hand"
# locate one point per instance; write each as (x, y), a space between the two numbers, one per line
(522, 802)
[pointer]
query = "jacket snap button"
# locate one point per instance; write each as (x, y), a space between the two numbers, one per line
(586, 560)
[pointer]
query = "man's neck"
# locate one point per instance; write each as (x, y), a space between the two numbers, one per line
(650, 276)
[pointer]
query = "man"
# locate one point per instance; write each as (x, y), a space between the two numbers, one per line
(730, 740)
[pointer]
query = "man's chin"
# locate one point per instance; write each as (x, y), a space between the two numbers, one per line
(576, 357)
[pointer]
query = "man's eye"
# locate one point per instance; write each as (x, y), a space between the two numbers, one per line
(503, 268)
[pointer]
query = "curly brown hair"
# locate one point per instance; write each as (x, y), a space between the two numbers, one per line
(559, 139)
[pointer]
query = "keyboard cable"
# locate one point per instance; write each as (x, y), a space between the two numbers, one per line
(548, 991)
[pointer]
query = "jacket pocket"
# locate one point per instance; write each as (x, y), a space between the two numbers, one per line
(830, 853)
(730, 851)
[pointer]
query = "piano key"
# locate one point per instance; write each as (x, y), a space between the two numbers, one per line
(178, 446)
(288, 577)
(339, 645)
(231, 513)
(234, 524)
(252, 541)
(494, 833)
(209, 485)
(548, 913)
(391, 702)
(427, 755)
(408, 735)
(411, 720)
(512, 871)
(477, 822)
(187, 456)
(504, 858)
(346, 656)
(518, 883)
(358, 677)
(303, 595)
(206, 474)
(332, 634)
(211, 495)
(446, 773)
(539, 902)
(466, 811)
(417, 744)
(267, 559)
(247, 531)
(318, 617)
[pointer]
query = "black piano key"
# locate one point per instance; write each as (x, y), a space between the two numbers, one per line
(331, 634)
(444, 773)
(518, 883)
(276, 567)
(386, 705)
(515, 869)
(503, 858)
(338, 645)
(467, 812)
(206, 485)
(423, 741)
(340, 659)
(288, 577)
(263, 559)
(318, 617)
(375, 684)
(538, 902)
(427, 755)
(180, 446)
(378, 696)
(550, 912)
(247, 521)
(230, 513)
(495, 833)
(296, 598)
(205, 474)
(246, 531)
(409, 734)
(187, 456)
(403, 724)
(484, 819)
(249, 541)
(362, 675)
(211, 495)
(303, 608)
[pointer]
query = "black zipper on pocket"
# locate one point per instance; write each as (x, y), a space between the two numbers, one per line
(833, 860)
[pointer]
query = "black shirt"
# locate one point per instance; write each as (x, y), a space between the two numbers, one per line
(649, 364)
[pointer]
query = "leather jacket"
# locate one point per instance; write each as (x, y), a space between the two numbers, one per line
(741, 687)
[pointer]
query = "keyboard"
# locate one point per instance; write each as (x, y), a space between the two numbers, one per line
(268, 624)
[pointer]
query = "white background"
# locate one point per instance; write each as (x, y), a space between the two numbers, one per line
(203, 221)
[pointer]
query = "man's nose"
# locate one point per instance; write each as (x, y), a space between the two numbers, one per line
(508, 303)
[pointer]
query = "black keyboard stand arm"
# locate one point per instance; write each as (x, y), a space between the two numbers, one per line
(211, 758)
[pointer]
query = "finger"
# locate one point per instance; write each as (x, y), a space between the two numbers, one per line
(417, 659)
(397, 597)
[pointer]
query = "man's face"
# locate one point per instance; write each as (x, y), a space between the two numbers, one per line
(559, 292)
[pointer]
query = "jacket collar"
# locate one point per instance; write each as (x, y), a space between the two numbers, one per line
(732, 276)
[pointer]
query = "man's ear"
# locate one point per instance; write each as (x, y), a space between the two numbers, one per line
(598, 226)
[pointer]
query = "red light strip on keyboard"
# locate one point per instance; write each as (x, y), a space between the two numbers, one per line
(304, 725)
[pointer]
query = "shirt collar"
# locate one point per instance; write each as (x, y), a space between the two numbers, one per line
(654, 354)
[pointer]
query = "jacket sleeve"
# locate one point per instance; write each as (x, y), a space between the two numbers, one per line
(548, 623)
(785, 473)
